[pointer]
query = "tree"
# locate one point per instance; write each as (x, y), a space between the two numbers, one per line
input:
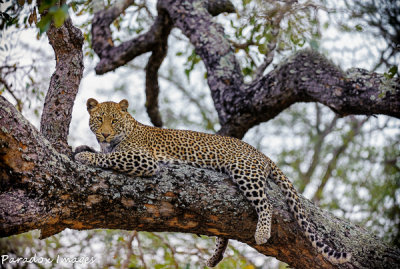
(43, 188)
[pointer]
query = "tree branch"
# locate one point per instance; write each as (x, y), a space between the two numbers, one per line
(309, 77)
(158, 54)
(223, 71)
(154, 40)
(67, 42)
(112, 57)
(305, 77)
(43, 189)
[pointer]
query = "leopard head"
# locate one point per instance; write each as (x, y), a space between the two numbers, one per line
(108, 121)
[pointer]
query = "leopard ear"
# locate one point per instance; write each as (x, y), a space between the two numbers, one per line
(91, 104)
(124, 105)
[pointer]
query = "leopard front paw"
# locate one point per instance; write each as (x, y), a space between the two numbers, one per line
(83, 148)
(85, 158)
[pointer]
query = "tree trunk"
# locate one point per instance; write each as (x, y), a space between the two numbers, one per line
(43, 189)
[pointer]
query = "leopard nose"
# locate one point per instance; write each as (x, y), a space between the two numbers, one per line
(105, 135)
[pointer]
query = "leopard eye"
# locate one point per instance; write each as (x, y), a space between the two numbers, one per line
(114, 121)
(100, 119)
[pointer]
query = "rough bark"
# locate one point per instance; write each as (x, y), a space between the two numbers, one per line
(67, 42)
(43, 189)
(309, 77)
(112, 56)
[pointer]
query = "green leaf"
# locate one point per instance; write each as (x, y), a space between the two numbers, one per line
(247, 71)
(359, 28)
(44, 23)
(187, 73)
(345, 28)
(391, 73)
(393, 70)
(252, 20)
(46, 4)
(269, 37)
(262, 48)
(60, 15)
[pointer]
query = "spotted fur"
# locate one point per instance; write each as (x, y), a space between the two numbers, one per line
(131, 147)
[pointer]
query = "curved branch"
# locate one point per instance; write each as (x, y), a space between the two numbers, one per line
(112, 57)
(43, 189)
(223, 71)
(101, 31)
(309, 77)
(154, 40)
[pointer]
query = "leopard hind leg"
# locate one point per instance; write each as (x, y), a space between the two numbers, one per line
(253, 187)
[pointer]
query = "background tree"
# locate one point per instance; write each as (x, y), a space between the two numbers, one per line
(260, 40)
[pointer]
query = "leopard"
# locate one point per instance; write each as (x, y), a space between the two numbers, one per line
(128, 146)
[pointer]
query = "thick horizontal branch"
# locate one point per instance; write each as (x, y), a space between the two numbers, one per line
(43, 189)
(309, 77)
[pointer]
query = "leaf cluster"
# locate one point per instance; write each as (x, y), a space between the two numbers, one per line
(51, 12)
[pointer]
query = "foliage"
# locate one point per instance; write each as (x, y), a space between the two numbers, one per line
(378, 19)
(10, 13)
(382, 19)
(52, 13)
(21, 13)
